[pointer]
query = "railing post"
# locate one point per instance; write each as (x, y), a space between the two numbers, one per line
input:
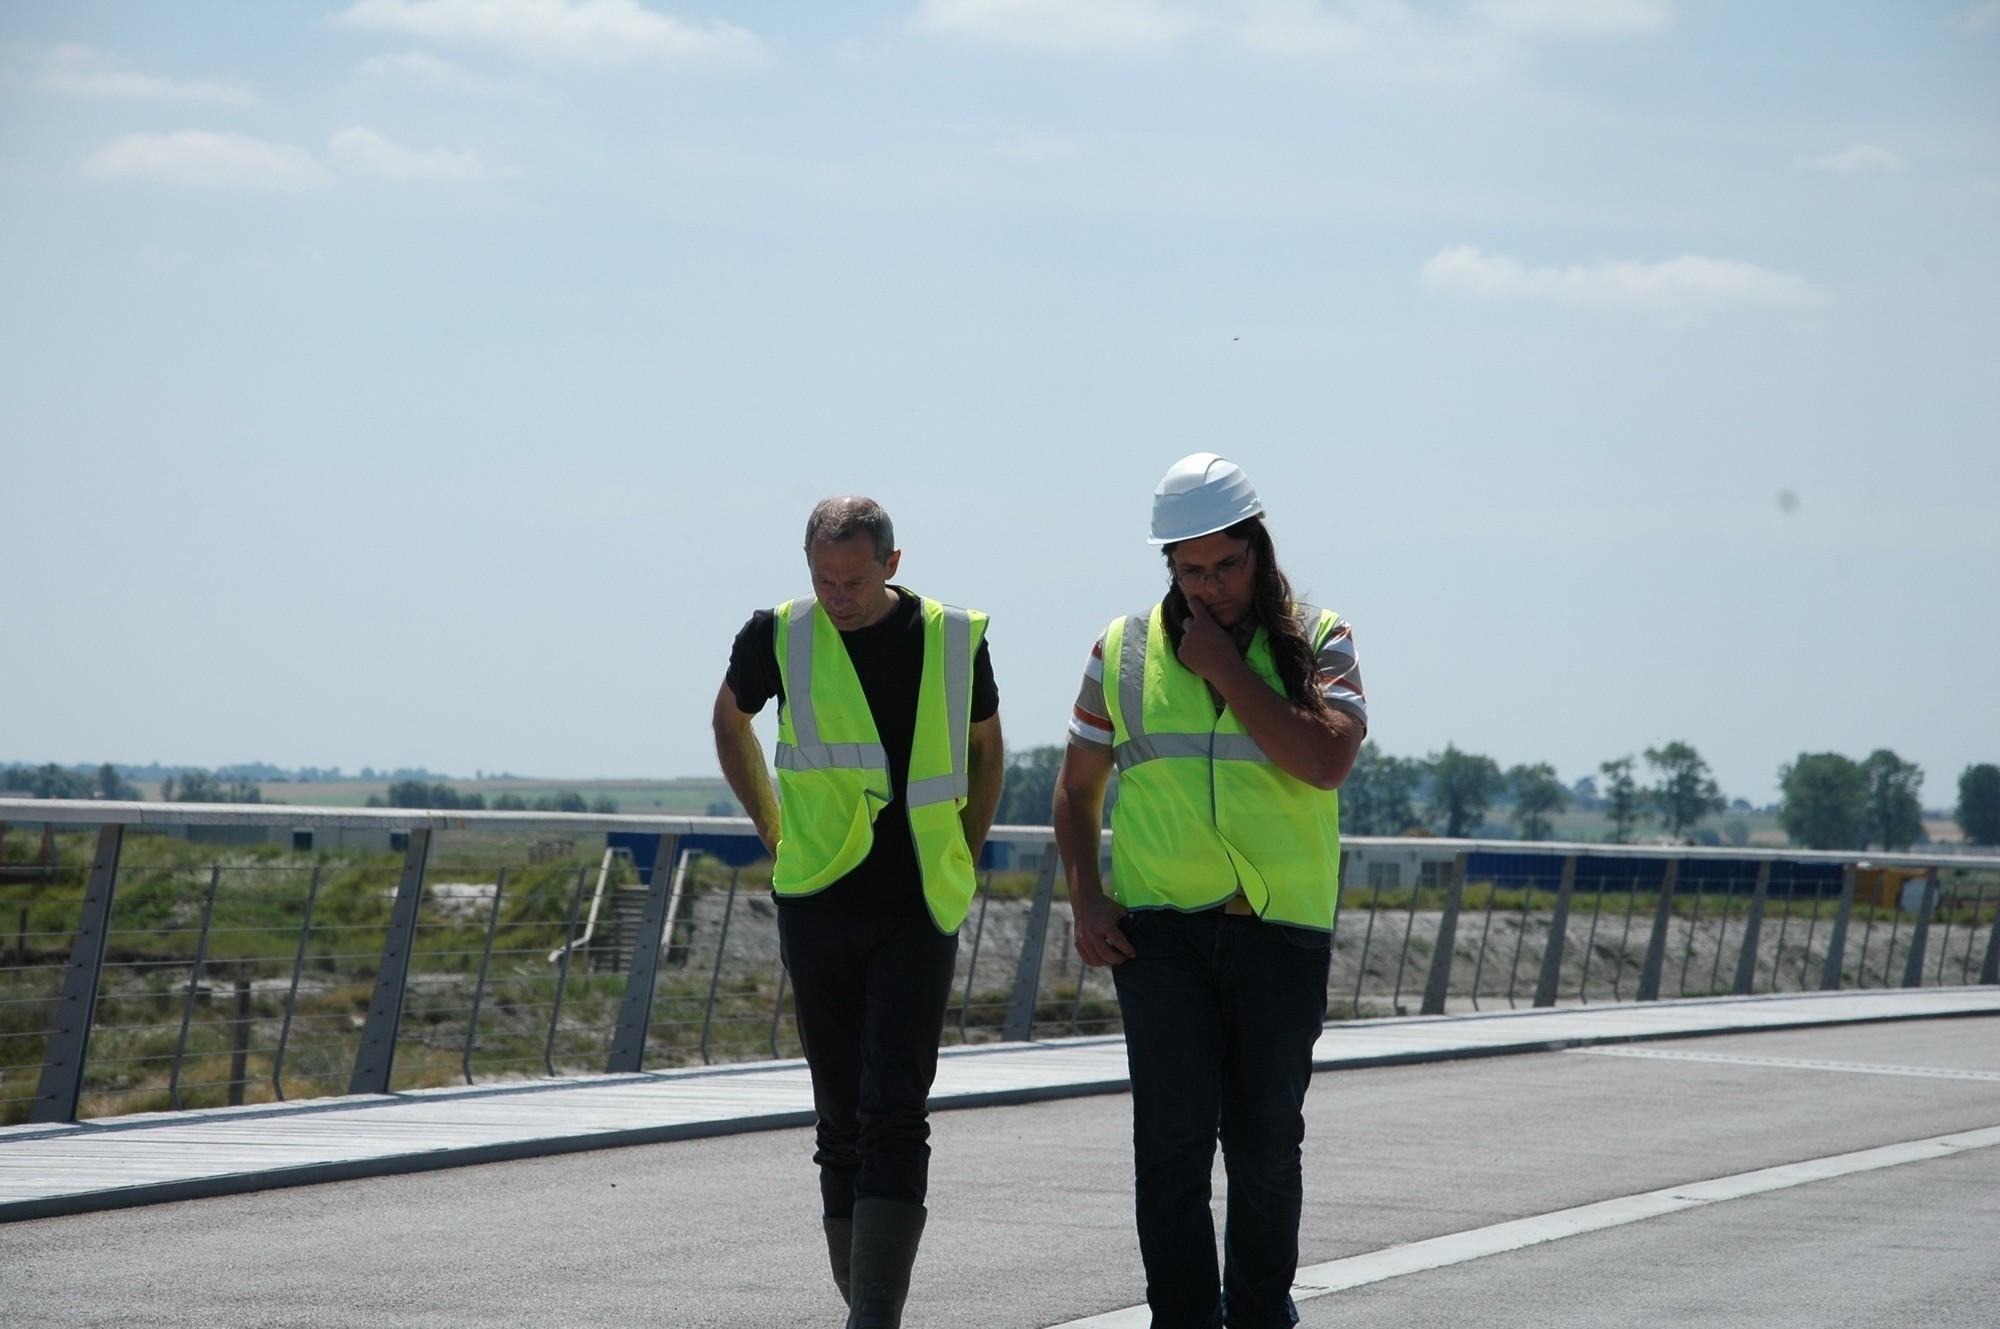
(1656, 945)
(194, 984)
(61, 1087)
(635, 1012)
(778, 1010)
(1836, 946)
(562, 971)
(239, 1044)
(1920, 935)
(1020, 1024)
(1552, 956)
(972, 964)
(721, 948)
(1753, 927)
(485, 964)
(1989, 972)
(1438, 983)
(292, 994)
(1409, 930)
(377, 1053)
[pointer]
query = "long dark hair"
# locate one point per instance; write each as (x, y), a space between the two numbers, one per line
(1291, 649)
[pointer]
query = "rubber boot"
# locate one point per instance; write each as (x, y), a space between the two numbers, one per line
(839, 1249)
(885, 1248)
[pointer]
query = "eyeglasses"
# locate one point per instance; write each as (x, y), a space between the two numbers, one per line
(1223, 571)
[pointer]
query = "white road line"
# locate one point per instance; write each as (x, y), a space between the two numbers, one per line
(1791, 1063)
(1358, 1270)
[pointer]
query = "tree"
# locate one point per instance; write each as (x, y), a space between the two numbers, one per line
(1978, 813)
(1463, 786)
(1379, 796)
(201, 787)
(1895, 814)
(1537, 794)
(1585, 790)
(1686, 792)
(604, 804)
(419, 794)
(1030, 789)
(47, 781)
(1825, 804)
(1623, 803)
(111, 784)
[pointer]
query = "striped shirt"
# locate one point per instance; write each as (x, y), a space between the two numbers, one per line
(1339, 682)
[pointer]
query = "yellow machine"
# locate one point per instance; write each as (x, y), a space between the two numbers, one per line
(1883, 887)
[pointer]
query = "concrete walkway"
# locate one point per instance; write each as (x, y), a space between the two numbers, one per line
(155, 1157)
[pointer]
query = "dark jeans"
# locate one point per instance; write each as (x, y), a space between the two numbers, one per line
(870, 995)
(1221, 1013)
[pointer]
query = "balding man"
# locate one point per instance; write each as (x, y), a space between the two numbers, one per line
(889, 768)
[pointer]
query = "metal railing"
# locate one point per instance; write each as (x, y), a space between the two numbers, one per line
(164, 956)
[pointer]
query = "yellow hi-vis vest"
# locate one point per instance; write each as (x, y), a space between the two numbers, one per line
(833, 772)
(1202, 811)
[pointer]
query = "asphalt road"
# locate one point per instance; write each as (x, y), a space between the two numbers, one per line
(1031, 1224)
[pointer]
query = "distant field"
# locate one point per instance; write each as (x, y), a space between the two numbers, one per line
(687, 796)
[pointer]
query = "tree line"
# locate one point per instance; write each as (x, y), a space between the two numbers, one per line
(1829, 801)
(194, 785)
(1451, 793)
(53, 781)
(1834, 802)
(436, 794)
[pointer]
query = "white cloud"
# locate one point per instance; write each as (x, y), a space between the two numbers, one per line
(1039, 148)
(1982, 17)
(1386, 40)
(425, 71)
(1577, 18)
(1382, 40)
(81, 71)
(361, 151)
(204, 160)
(1062, 25)
(1686, 285)
(593, 32)
(1860, 157)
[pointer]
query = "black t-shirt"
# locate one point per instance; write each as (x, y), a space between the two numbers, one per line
(889, 657)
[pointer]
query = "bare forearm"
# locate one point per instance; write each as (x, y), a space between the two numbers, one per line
(742, 759)
(1079, 822)
(1318, 751)
(1078, 814)
(988, 774)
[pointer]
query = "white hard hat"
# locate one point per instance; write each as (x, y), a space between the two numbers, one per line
(1200, 495)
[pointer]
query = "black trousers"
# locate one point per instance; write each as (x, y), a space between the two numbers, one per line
(870, 995)
(1221, 1014)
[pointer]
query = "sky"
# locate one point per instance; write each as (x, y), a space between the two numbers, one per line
(443, 382)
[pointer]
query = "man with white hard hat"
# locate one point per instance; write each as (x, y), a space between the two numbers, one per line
(1232, 713)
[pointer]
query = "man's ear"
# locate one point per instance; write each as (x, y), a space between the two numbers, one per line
(895, 560)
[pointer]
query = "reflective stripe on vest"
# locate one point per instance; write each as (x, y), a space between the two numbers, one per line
(830, 792)
(1203, 812)
(809, 754)
(1141, 746)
